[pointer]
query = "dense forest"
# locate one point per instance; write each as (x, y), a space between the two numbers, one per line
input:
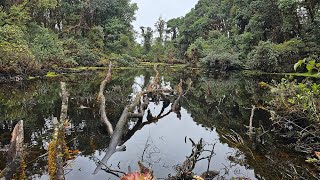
(42, 34)
(269, 36)
(266, 35)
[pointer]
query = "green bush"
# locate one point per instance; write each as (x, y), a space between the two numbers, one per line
(15, 54)
(123, 60)
(96, 37)
(264, 57)
(46, 46)
(270, 57)
(222, 61)
(245, 43)
(80, 53)
(220, 54)
(298, 98)
(289, 53)
(197, 49)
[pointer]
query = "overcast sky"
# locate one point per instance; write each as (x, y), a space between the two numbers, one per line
(150, 10)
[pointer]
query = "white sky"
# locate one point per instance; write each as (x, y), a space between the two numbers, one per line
(150, 10)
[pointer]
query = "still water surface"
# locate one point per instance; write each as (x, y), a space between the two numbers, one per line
(216, 107)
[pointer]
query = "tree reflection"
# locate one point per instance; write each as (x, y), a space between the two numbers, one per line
(221, 104)
(155, 93)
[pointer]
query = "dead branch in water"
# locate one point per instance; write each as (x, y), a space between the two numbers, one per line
(135, 110)
(57, 146)
(15, 152)
(102, 100)
(64, 103)
(184, 170)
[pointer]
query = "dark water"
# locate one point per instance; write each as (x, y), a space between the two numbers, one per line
(216, 108)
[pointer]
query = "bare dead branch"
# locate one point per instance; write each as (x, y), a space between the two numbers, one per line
(64, 104)
(102, 100)
(135, 110)
(57, 145)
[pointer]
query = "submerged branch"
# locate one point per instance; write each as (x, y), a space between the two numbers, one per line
(57, 146)
(102, 100)
(134, 110)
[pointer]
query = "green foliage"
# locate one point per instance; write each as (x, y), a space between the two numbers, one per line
(197, 49)
(265, 35)
(170, 52)
(160, 27)
(96, 37)
(147, 35)
(299, 98)
(220, 54)
(117, 36)
(311, 65)
(49, 34)
(271, 57)
(78, 52)
(245, 43)
(45, 46)
(16, 56)
(264, 57)
(156, 53)
(123, 60)
(15, 15)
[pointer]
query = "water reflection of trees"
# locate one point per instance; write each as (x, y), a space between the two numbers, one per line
(218, 102)
(225, 103)
(37, 102)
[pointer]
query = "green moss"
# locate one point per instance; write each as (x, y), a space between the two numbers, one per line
(152, 63)
(85, 68)
(141, 65)
(303, 74)
(51, 74)
(31, 77)
(249, 72)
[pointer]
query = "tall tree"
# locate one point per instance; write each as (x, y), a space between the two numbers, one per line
(160, 27)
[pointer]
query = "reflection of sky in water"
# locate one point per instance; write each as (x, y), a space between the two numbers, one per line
(166, 148)
(138, 84)
(165, 139)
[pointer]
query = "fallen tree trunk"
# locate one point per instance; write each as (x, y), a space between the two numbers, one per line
(140, 102)
(102, 100)
(57, 146)
(15, 152)
(118, 132)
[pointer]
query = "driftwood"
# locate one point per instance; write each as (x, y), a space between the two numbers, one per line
(64, 104)
(57, 145)
(150, 119)
(184, 170)
(118, 132)
(135, 110)
(15, 152)
(102, 100)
